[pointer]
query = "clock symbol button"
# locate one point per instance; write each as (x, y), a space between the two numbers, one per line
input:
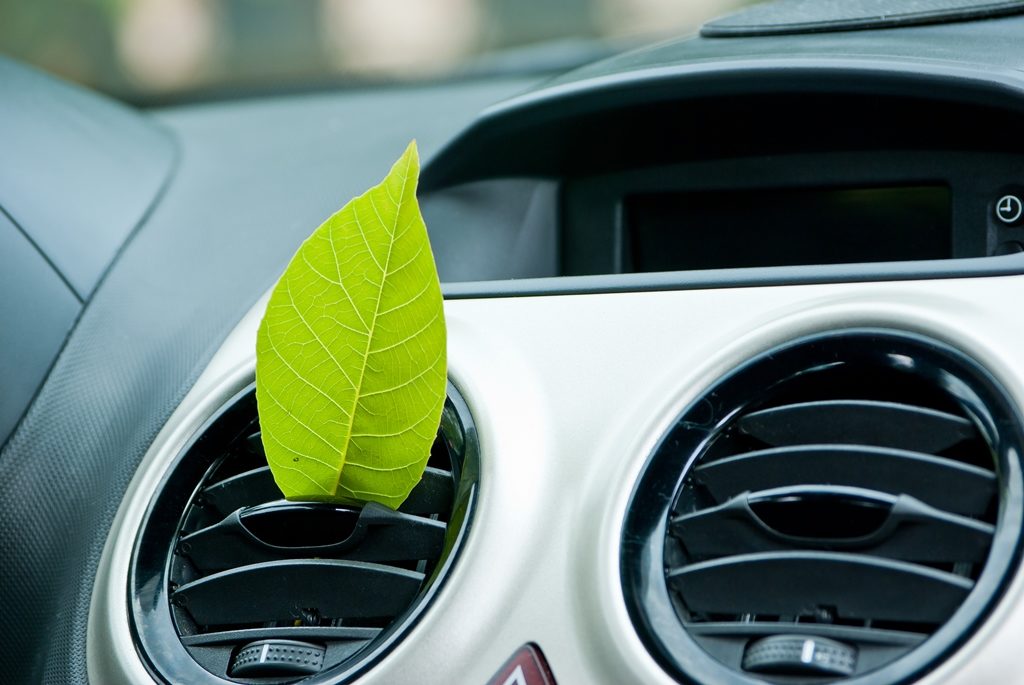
(1009, 209)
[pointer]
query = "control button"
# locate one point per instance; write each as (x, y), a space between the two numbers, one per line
(1009, 209)
(526, 667)
(277, 659)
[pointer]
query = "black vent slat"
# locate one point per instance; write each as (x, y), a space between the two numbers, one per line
(284, 529)
(809, 583)
(277, 590)
(244, 490)
(882, 424)
(316, 633)
(254, 444)
(832, 518)
(922, 476)
(857, 634)
(432, 495)
(731, 642)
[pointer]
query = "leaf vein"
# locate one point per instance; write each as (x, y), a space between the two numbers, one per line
(298, 311)
(299, 421)
(407, 382)
(298, 375)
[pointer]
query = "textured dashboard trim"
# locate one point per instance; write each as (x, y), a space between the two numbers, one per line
(111, 655)
(789, 17)
(114, 164)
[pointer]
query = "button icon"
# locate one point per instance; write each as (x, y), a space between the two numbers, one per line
(1009, 209)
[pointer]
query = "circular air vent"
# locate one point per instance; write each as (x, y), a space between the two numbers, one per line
(232, 583)
(845, 507)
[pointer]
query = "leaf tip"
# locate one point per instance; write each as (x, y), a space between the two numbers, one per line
(412, 153)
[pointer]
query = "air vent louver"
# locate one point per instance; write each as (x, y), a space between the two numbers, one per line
(231, 582)
(844, 507)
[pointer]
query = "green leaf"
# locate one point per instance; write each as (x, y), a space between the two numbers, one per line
(351, 357)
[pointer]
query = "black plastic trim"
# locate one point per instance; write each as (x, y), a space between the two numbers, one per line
(977, 267)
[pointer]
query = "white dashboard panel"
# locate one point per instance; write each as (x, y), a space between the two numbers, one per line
(569, 394)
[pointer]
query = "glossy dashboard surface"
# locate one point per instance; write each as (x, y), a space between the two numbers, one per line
(569, 395)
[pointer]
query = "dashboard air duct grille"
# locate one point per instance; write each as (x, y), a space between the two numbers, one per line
(254, 588)
(846, 506)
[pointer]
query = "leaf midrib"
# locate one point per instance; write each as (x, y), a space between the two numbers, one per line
(373, 322)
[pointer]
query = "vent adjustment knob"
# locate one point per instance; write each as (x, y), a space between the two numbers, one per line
(277, 658)
(800, 655)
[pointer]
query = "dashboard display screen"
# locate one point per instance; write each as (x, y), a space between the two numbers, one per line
(680, 231)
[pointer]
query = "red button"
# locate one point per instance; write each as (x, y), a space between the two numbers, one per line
(526, 667)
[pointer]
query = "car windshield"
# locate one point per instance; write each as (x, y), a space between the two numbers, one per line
(166, 50)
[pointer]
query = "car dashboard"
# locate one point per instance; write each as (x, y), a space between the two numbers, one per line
(637, 257)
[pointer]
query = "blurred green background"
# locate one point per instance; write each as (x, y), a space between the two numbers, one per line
(161, 50)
